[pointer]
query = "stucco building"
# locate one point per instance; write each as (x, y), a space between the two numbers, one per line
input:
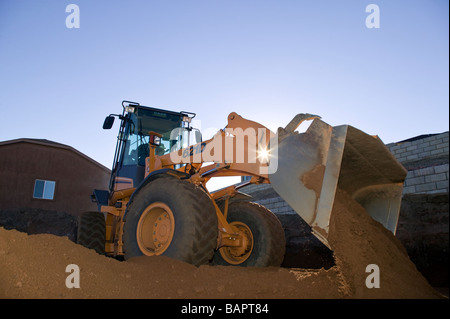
(42, 174)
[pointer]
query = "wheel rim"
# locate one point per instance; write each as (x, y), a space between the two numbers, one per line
(237, 255)
(155, 229)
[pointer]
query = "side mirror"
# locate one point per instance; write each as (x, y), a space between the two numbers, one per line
(109, 121)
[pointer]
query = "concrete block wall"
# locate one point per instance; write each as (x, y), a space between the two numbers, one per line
(419, 148)
(264, 195)
(426, 159)
(276, 205)
(423, 221)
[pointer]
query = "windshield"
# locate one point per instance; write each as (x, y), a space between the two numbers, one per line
(137, 135)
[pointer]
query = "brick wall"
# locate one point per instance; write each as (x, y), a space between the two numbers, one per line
(426, 159)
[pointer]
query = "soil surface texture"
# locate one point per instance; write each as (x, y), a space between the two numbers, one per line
(34, 266)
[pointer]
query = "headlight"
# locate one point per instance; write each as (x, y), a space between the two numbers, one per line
(130, 108)
(155, 138)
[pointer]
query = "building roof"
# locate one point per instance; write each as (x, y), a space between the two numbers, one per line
(45, 142)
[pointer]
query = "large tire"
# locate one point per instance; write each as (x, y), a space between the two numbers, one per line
(92, 231)
(173, 218)
(268, 239)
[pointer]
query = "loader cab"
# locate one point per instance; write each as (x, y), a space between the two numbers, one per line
(133, 140)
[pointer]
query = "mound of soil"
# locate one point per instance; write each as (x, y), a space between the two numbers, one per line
(358, 241)
(34, 266)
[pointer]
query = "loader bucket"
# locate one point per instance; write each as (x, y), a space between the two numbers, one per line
(312, 165)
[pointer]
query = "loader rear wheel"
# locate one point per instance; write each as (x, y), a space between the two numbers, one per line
(173, 218)
(92, 231)
(264, 243)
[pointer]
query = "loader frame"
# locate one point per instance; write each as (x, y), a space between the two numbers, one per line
(247, 148)
(189, 166)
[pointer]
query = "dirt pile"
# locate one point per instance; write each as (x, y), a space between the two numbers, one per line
(34, 266)
(358, 241)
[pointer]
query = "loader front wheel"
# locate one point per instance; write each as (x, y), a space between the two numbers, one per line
(155, 229)
(264, 241)
(91, 231)
(173, 218)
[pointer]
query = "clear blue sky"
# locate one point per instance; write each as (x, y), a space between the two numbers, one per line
(265, 59)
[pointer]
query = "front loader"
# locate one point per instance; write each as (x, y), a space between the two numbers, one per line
(158, 202)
